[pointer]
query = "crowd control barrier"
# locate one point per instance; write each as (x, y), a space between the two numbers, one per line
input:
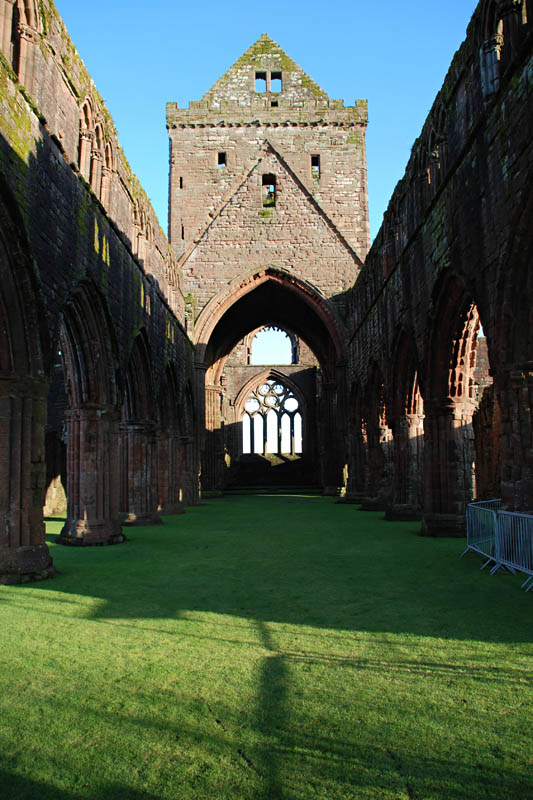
(503, 538)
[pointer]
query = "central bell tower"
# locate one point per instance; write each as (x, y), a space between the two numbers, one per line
(268, 147)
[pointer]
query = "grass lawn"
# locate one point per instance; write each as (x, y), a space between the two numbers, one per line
(264, 648)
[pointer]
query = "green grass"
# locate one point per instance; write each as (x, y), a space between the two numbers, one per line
(263, 648)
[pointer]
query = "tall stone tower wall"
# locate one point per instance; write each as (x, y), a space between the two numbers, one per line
(264, 117)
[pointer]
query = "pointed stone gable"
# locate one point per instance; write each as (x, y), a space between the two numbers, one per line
(293, 234)
(265, 57)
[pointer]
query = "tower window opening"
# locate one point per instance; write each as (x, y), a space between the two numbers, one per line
(221, 159)
(271, 345)
(181, 183)
(275, 82)
(260, 82)
(274, 104)
(269, 191)
(315, 167)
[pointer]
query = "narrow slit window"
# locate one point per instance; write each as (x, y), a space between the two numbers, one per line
(269, 191)
(182, 232)
(315, 167)
(275, 82)
(221, 159)
(260, 82)
(181, 183)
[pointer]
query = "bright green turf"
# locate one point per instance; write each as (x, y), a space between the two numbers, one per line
(267, 647)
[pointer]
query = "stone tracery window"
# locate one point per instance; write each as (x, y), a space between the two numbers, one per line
(272, 420)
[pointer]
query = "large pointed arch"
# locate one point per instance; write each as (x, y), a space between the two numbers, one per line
(89, 357)
(89, 349)
(23, 386)
(452, 388)
(139, 394)
(139, 451)
(269, 296)
(405, 416)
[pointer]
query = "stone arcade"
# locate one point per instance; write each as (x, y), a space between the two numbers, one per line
(125, 373)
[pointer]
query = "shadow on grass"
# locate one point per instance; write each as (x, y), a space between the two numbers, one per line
(300, 560)
(14, 787)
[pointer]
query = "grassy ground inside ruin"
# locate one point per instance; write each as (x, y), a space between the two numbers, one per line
(264, 648)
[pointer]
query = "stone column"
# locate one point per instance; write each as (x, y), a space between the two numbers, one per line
(408, 469)
(330, 455)
(105, 194)
(380, 469)
(448, 465)
(6, 22)
(24, 555)
(92, 478)
(213, 449)
(514, 389)
(356, 487)
(27, 39)
(170, 473)
(86, 148)
(96, 173)
(139, 464)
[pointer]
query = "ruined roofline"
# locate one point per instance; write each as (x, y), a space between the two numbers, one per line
(265, 46)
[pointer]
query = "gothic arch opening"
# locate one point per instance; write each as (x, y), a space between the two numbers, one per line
(379, 442)
(406, 420)
(271, 298)
(82, 429)
(138, 443)
(457, 379)
(23, 341)
(170, 446)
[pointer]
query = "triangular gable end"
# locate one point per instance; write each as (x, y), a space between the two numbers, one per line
(276, 74)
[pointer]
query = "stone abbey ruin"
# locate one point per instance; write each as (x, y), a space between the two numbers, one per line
(125, 370)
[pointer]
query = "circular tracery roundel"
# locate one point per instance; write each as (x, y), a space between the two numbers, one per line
(272, 421)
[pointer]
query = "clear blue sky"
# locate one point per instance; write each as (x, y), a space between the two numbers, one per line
(395, 53)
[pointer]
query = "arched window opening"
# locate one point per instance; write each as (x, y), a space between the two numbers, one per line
(107, 168)
(434, 165)
(96, 161)
(491, 51)
(15, 38)
(272, 421)
(85, 145)
(469, 366)
(24, 21)
(246, 434)
(272, 345)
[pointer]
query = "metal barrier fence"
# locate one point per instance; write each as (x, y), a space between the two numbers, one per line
(514, 544)
(504, 538)
(481, 527)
